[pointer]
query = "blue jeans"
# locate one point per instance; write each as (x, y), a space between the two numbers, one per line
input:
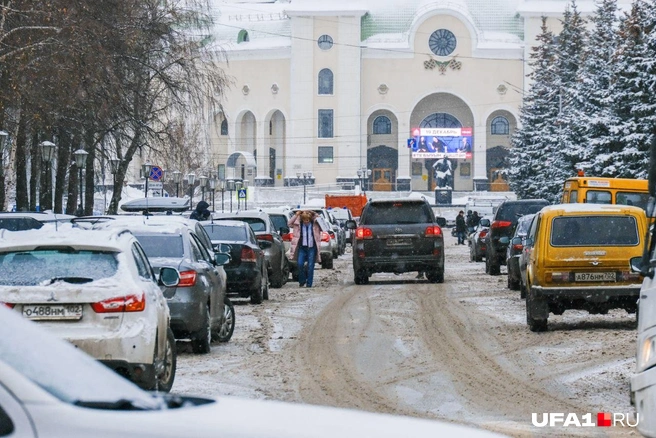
(306, 254)
(461, 237)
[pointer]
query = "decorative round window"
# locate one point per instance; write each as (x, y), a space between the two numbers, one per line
(442, 42)
(325, 42)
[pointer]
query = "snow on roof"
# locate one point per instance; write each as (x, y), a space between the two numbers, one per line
(61, 235)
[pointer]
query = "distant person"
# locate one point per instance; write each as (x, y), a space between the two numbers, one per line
(461, 228)
(306, 238)
(202, 212)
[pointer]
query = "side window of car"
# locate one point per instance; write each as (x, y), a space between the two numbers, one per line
(204, 254)
(533, 229)
(202, 235)
(195, 250)
(143, 266)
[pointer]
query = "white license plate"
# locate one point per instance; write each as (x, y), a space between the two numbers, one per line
(53, 311)
(594, 276)
(399, 242)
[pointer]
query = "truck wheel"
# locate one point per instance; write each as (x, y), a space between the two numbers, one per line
(435, 276)
(360, 276)
(522, 290)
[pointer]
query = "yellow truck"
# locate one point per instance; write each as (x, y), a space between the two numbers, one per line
(597, 190)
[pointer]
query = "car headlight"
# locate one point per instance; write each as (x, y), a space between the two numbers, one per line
(646, 353)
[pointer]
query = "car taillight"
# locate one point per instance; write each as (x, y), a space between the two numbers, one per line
(500, 224)
(362, 233)
(482, 234)
(518, 247)
(287, 237)
(248, 255)
(332, 235)
(433, 231)
(325, 237)
(187, 278)
(128, 303)
(267, 237)
(10, 305)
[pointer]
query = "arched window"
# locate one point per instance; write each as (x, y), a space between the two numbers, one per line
(440, 120)
(326, 81)
(500, 126)
(382, 125)
(224, 127)
(242, 37)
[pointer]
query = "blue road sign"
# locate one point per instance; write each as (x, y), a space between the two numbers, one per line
(241, 194)
(156, 173)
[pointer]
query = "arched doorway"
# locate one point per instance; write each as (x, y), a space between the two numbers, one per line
(439, 120)
(383, 162)
(496, 163)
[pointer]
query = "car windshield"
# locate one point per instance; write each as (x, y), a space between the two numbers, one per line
(162, 245)
(73, 377)
(594, 231)
(340, 213)
(20, 224)
(30, 268)
(234, 233)
(396, 213)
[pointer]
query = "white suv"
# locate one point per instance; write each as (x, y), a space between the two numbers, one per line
(95, 289)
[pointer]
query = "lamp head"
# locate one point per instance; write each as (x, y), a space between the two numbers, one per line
(80, 158)
(191, 177)
(47, 150)
(177, 176)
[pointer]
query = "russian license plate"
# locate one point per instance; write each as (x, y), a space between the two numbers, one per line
(594, 276)
(52, 311)
(399, 242)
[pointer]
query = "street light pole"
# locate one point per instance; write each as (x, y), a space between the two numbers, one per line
(146, 168)
(305, 178)
(47, 152)
(230, 186)
(363, 175)
(177, 177)
(191, 177)
(213, 188)
(222, 188)
(81, 162)
(246, 198)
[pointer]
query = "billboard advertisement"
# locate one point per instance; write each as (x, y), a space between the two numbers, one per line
(441, 142)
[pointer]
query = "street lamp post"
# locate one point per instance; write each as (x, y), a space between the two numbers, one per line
(47, 153)
(230, 186)
(222, 187)
(202, 182)
(238, 187)
(146, 168)
(212, 183)
(177, 177)
(3, 141)
(363, 175)
(305, 179)
(246, 198)
(81, 163)
(191, 178)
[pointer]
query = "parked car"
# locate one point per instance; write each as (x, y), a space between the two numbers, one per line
(260, 222)
(97, 290)
(247, 273)
(503, 225)
(476, 240)
(342, 215)
(280, 217)
(20, 221)
(52, 389)
(514, 251)
(579, 258)
(398, 235)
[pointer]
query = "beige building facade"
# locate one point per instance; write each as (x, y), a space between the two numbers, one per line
(329, 88)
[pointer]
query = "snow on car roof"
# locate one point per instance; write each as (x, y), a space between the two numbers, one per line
(62, 235)
(592, 208)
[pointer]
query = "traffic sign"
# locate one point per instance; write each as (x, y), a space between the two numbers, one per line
(156, 173)
(241, 194)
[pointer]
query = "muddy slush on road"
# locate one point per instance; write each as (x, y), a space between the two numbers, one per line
(459, 351)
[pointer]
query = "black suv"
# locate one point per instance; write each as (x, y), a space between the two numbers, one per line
(503, 225)
(400, 235)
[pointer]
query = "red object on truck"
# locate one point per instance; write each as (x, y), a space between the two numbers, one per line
(355, 203)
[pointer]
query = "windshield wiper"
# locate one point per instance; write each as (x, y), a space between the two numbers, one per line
(117, 405)
(73, 280)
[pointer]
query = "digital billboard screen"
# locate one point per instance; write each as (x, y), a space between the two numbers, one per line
(441, 142)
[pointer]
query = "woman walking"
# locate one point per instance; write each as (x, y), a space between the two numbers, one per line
(306, 237)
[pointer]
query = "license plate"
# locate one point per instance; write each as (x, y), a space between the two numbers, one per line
(399, 242)
(53, 311)
(594, 276)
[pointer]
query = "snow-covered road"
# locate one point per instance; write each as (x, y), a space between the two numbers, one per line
(458, 351)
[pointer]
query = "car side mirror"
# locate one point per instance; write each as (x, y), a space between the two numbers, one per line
(168, 277)
(516, 241)
(528, 241)
(264, 244)
(441, 221)
(221, 258)
(485, 222)
(638, 266)
(351, 225)
(504, 240)
(284, 230)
